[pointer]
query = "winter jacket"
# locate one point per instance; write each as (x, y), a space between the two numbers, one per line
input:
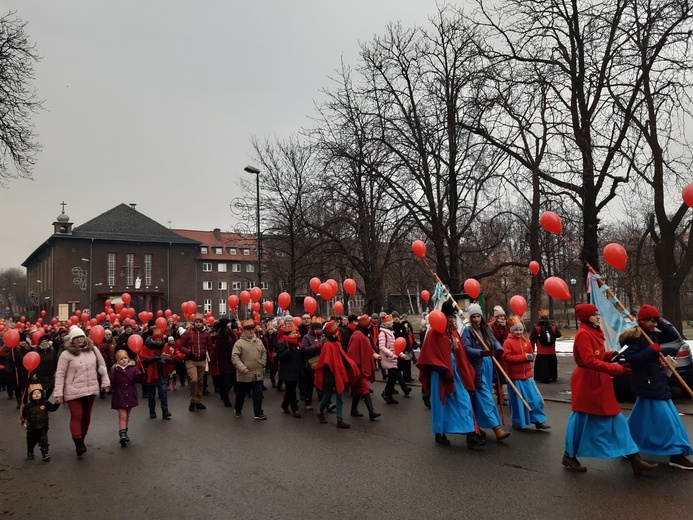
(591, 387)
(151, 361)
(35, 413)
(249, 354)
(124, 391)
(473, 349)
(515, 352)
(223, 349)
(289, 357)
(648, 380)
(386, 346)
(500, 332)
(77, 374)
(310, 348)
(45, 372)
(195, 344)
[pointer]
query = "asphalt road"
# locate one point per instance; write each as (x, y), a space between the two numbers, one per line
(213, 465)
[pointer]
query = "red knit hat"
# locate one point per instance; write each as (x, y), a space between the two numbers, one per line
(647, 312)
(583, 311)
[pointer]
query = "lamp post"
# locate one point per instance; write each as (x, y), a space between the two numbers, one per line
(573, 281)
(255, 171)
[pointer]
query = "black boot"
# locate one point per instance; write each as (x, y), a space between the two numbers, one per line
(44, 454)
(127, 439)
(30, 454)
(389, 399)
(123, 438)
(369, 404)
(152, 413)
(355, 406)
(165, 413)
(474, 440)
(426, 400)
(80, 448)
(640, 466)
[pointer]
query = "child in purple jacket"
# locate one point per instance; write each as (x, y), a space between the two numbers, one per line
(124, 392)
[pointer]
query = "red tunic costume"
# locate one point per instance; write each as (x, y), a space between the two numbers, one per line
(361, 352)
(435, 357)
(344, 370)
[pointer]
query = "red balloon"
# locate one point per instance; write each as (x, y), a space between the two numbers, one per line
(349, 286)
(126, 298)
(255, 294)
(688, 195)
(143, 316)
(534, 267)
(168, 313)
(124, 313)
(93, 321)
(551, 222)
(419, 249)
(400, 345)
(54, 321)
(131, 313)
(315, 284)
(184, 307)
(245, 297)
(159, 313)
(192, 307)
(31, 361)
(256, 306)
(297, 321)
(518, 305)
(425, 295)
(161, 323)
(97, 334)
(43, 313)
(208, 314)
(333, 285)
(211, 320)
(119, 306)
(338, 307)
(309, 304)
(472, 288)
(233, 302)
(36, 336)
(557, 288)
(268, 306)
(438, 321)
(78, 313)
(85, 318)
(74, 320)
(325, 291)
(135, 343)
(284, 300)
(615, 256)
(107, 303)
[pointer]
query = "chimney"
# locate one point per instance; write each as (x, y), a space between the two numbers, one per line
(217, 234)
(133, 206)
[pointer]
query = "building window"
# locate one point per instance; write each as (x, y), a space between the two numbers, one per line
(249, 285)
(147, 269)
(111, 269)
(222, 307)
(221, 267)
(236, 286)
(129, 269)
(206, 286)
(236, 268)
(207, 306)
(218, 250)
(246, 252)
(204, 250)
(264, 286)
(207, 267)
(223, 286)
(233, 251)
(249, 268)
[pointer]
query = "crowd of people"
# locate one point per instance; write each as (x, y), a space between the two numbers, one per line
(466, 376)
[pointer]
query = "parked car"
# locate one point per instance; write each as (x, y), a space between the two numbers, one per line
(680, 351)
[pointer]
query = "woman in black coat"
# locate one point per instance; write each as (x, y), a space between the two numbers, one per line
(289, 357)
(223, 346)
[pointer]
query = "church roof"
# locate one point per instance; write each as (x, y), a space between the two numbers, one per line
(127, 224)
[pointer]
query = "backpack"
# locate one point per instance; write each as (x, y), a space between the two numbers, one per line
(546, 336)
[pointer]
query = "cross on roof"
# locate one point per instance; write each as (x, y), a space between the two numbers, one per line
(63, 205)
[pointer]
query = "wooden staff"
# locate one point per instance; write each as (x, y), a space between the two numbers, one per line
(482, 342)
(620, 306)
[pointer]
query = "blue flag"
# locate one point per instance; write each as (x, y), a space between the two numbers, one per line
(613, 321)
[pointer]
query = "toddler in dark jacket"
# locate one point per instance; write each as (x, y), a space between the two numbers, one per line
(35, 420)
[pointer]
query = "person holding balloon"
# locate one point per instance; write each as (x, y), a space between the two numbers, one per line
(77, 383)
(473, 335)
(45, 372)
(518, 355)
(448, 378)
(390, 358)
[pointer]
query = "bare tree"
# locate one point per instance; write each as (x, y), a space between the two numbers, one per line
(18, 100)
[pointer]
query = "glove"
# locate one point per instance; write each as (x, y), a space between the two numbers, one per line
(485, 353)
(656, 348)
(529, 357)
(498, 354)
(447, 377)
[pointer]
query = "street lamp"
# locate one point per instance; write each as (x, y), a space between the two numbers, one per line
(255, 171)
(573, 281)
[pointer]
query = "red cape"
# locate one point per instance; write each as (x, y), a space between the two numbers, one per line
(361, 352)
(344, 369)
(435, 352)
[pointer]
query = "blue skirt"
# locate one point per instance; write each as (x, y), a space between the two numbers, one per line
(484, 407)
(599, 436)
(518, 413)
(456, 416)
(657, 428)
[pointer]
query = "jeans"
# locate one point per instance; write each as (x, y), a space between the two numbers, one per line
(255, 388)
(163, 394)
(327, 397)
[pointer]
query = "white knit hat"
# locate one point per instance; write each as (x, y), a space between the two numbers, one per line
(498, 311)
(75, 332)
(474, 308)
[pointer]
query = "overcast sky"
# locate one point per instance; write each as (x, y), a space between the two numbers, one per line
(154, 102)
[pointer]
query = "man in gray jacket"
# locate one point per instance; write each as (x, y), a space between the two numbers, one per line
(249, 357)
